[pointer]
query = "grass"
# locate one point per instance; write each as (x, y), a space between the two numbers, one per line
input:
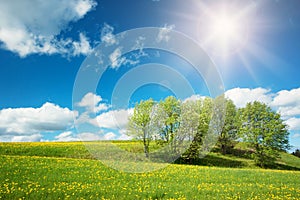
(288, 161)
(47, 149)
(66, 171)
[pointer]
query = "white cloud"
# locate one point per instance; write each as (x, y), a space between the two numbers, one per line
(139, 45)
(163, 34)
(289, 111)
(194, 97)
(82, 47)
(287, 102)
(287, 98)
(26, 138)
(293, 123)
(32, 26)
(83, 118)
(124, 137)
(90, 136)
(115, 119)
(85, 136)
(124, 131)
(91, 102)
(107, 35)
(109, 136)
(296, 135)
(116, 58)
(66, 137)
(70, 136)
(84, 6)
(242, 96)
(29, 121)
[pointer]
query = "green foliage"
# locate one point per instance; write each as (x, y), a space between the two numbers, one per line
(191, 128)
(171, 108)
(229, 132)
(139, 125)
(265, 131)
(296, 153)
(203, 109)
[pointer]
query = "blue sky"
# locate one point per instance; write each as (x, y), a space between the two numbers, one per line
(254, 45)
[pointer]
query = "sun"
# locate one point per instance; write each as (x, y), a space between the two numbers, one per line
(225, 33)
(224, 29)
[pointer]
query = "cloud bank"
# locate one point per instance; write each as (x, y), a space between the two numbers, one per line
(91, 102)
(29, 124)
(285, 102)
(32, 26)
(241, 96)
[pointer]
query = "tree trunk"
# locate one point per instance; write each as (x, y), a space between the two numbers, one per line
(146, 145)
(223, 148)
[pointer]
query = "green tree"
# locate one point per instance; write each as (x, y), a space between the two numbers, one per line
(139, 125)
(171, 108)
(189, 119)
(265, 131)
(189, 125)
(204, 110)
(296, 153)
(229, 131)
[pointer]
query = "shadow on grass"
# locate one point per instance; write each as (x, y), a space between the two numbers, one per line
(211, 160)
(280, 166)
(247, 154)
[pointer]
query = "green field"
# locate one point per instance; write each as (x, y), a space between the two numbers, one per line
(67, 171)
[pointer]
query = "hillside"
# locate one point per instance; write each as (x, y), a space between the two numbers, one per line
(66, 170)
(237, 159)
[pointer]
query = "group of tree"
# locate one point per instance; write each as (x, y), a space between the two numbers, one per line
(296, 153)
(190, 127)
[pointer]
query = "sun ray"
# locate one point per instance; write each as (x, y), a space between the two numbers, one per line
(247, 65)
(268, 59)
(226, 28)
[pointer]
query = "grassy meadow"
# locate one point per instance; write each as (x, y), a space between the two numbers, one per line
(66, 170)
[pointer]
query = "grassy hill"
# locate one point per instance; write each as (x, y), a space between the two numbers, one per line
(236, 159)
(66, 170)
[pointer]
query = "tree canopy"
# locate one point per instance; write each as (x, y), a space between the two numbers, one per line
(140, 123)
(264, 130)
(174, 123)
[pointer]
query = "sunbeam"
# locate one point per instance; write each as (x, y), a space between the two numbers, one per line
(224, 29)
